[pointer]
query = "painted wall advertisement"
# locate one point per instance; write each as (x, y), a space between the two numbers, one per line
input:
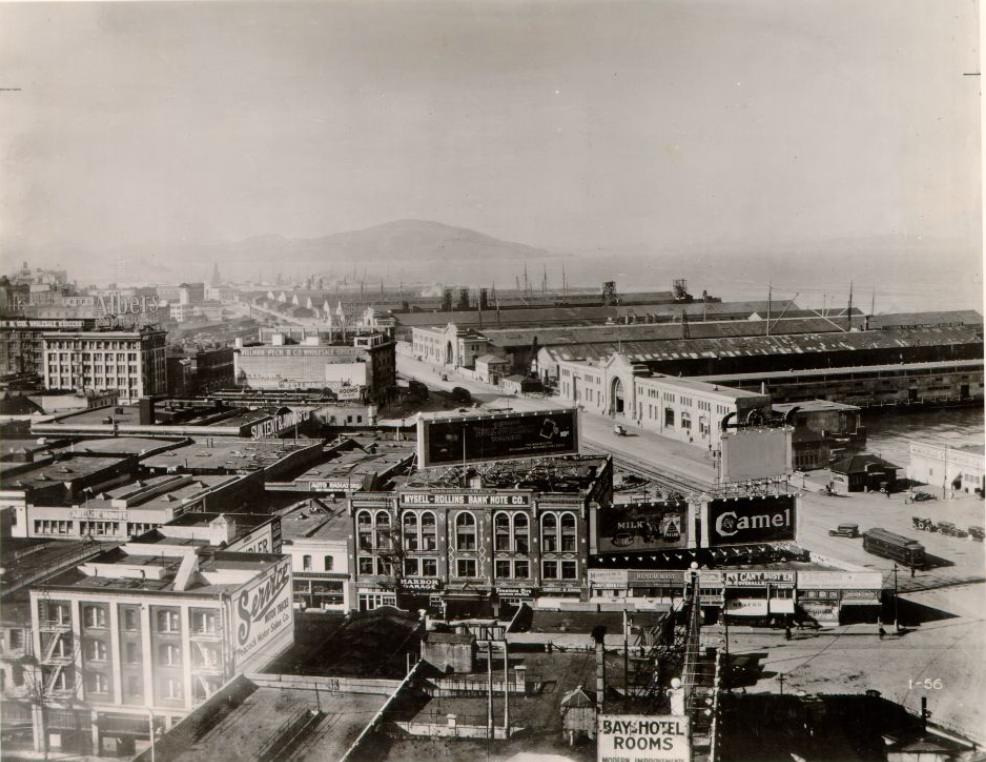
(498, 437)
(261, 611)
(643, 738)
(641, 526)
(746, 520)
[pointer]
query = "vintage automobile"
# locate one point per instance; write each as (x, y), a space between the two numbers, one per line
(845, 530)
(620, 430)
(949, 529)
(977, 533)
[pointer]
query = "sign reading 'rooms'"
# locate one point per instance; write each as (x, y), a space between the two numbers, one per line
(642, 738)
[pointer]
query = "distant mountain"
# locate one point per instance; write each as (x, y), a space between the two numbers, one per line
(401, 241)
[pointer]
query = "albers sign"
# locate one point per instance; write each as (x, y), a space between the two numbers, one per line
(752, 520)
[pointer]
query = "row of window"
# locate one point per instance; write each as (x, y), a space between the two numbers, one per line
(511, 531)
(504, 568)
(166, 621)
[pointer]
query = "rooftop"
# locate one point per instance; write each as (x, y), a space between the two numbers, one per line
(572, 473)
(699, 386)
(888, 368)
(227, 455)
(246, 719)
(315, 519)
(59, 470)
(139, 446)
(358, 468)
(812, 406)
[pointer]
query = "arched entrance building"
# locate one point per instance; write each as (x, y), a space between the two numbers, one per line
(617, 402)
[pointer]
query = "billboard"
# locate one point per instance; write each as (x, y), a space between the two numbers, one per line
(745, 520)
(760, 453)
(497, 436)
(641, 526)
(643, 738)
(261, 612)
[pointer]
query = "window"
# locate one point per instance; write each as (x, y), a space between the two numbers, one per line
(429, 531)
(549, 533)
(410, 567)
(133, 653)
(567, 532)
(364, 530)
(669, 417)
(465, 531)
(501, 532)
(95, 616)
(133, 685)
(203, 622)
(95, 650)
(167, 621)
(521, 534)
(16, 639)
(205, 656)
(522, 569)
(366, 566)
(96, 682)
(410, 531)
(465, 567)
(429, 567)
(169, 654)
(328, 562)
(383, 529)
(568, 570)
(306, 563)
(550, 570)
(172, 687)
(502, 568)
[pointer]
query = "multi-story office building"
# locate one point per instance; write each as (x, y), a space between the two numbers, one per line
(22, 344)
(519, 530)
(130, 362)
(138, 636)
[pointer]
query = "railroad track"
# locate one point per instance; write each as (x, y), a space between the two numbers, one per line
(663, 477)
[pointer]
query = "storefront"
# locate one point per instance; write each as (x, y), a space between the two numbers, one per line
(766, 594)
(662, 585)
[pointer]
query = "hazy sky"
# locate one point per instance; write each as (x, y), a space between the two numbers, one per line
(559, 124)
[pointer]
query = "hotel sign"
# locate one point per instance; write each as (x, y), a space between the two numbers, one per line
(469, 499)
(643, 738)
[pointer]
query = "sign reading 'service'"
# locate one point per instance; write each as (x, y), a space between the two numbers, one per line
(262, 612)
(497, 436)
(642, 738)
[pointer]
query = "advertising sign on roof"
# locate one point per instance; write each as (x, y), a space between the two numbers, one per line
(643, 738)
(746, 520)
(497, 437)
(641, 526)
(261, 612)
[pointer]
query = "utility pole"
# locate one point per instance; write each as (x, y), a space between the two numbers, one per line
(489, 690)
(770, 300)
(849, 310)
(506, 690)
(896, 619)
(780, 679)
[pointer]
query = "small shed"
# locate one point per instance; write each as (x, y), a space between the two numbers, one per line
(865, 472)
(491, 368)
(518, 384)
(449, 651)
(578, 714)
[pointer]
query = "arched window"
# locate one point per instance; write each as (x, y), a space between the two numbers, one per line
(567, 532)
(383, 529)
(429, 531)
(501, 531)
(521, 535)
(364, 530)
(465, 532)
(410, 531)
(549, 533)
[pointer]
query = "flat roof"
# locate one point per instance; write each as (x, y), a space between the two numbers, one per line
(699, 386)
(209, 561)
(809, 406)
(315, 519)
(129, 415)
(235, 454)
(246, 726)
(357, 463)
(121, 445)
(565, 474)
(60, 470)
(841, 370)
(32, 559)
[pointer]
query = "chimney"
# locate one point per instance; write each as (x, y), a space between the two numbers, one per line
(146, 411)
(599, 635)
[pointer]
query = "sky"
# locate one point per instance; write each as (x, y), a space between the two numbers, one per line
(630, 126)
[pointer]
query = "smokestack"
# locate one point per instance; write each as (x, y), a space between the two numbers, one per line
(599, 635)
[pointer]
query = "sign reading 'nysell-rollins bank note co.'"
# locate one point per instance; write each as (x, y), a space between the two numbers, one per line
(477, 438)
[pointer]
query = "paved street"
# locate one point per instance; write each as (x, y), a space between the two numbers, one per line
(950, 647)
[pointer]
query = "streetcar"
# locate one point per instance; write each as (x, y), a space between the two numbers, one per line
(902, 549)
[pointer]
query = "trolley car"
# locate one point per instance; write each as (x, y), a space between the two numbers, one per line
(902, 549)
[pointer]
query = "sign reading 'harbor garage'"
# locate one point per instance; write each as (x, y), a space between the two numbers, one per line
(752, 520)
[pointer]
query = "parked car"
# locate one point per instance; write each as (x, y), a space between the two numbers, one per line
(920, 497)
(977, 533)
(845, 530)
(949, 529)
(927, 525)
(619, 430)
